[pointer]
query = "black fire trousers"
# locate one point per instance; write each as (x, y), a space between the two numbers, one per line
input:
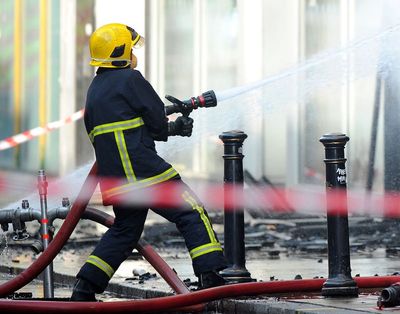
(121, 238)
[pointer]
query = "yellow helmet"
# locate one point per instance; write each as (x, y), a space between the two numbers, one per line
(111, 44)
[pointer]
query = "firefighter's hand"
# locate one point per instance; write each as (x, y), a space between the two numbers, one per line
(182, 126)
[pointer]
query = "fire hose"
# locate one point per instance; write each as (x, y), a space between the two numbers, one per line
(163, 304)
(150, 305)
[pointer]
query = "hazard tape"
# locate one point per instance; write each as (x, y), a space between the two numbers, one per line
(302, 199)
(30, 134)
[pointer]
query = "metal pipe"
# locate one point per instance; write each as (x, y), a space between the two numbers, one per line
(18, 224)
(59, 240)
(48, 284)
(234, 246)
(340, 282)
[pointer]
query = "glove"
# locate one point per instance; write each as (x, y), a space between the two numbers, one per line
(182, 126)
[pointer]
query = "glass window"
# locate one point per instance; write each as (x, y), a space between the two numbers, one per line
(178, 46)
(322, 113)
(53, 84)
(221, 43)
(30, 85)
(84, 76)
(7, 123)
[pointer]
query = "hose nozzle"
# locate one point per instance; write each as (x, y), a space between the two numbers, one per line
(205, 100)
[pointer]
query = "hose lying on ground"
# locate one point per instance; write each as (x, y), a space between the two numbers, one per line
(157, 305)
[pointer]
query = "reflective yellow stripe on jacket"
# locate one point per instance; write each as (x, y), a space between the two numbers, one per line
(138, 184)
(115, 126)
(118, 129)
(214, 245)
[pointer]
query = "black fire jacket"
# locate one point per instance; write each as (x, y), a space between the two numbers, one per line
(123, 115)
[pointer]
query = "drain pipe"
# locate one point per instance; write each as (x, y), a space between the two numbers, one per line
(59, 240)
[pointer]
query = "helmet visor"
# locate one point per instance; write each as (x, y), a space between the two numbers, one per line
(137, 40)
(139, 43)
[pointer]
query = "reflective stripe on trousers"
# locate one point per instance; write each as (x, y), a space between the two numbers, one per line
(214, 245)
(101, 264)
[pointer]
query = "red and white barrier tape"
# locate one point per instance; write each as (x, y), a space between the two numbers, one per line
(304, 199)
(30, 134)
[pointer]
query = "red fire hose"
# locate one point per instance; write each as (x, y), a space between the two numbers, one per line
(164, 304)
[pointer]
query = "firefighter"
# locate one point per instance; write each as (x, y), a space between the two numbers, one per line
(123, 118)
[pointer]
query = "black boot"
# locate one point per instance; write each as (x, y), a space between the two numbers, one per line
(83, 291)
(210, 279)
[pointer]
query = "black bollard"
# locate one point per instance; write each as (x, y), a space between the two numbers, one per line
(339, 282)
(234, 247)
